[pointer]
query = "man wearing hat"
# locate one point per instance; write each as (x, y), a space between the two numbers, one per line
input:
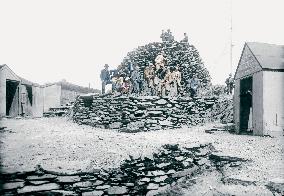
(105, 78)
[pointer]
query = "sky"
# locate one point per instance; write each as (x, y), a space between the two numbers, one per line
(47, 41)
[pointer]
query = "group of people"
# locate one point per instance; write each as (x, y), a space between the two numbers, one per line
(156, 79)
(118, 80)
(167, 36)
(162, 80)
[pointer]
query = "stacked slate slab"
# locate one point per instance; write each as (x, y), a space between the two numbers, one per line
(139, 176)
(134, 114)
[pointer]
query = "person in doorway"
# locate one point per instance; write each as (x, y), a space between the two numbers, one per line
(249, 95)
(105, 78)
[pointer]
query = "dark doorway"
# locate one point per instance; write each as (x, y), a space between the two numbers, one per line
(11, 92)
(246, 105)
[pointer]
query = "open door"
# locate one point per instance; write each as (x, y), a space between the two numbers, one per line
(12, 98)
(246, 105)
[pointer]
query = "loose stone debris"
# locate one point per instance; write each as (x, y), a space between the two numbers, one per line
(134, 177)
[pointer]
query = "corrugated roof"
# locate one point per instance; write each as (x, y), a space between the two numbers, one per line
(270, 56)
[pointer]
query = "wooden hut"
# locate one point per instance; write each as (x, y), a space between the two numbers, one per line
(19, 96)
(259, 90)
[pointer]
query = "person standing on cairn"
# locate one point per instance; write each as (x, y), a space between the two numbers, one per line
(168, 82)
(135, 80)
(163, 36)
(177, 79)
(159, 80)
(185, 39)
(193, 86)
(149, 75)
(230, 84)
(170, 36)
(105, 78)
(160, 60)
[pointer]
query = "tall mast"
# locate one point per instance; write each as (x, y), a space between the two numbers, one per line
(231, 36)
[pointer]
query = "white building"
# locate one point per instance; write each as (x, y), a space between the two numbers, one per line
(259, 89)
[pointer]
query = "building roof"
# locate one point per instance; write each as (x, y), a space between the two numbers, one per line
(269, 56)
(18, 78)
(73, 87)
(2, 65)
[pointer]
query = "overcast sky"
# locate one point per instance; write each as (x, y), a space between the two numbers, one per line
(46, 41)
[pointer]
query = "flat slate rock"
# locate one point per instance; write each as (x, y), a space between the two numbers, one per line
(103, 187)
(64, 193)
(83, 184)
(43, 177)
(145, 180)
(152, 186)
(93, 193)
(129, 184)
(98, 182)
(68, 179)
(160, 179)
(162, 165)
(117, 190)
(13, 185)
(44, 187)
(158, 173)
(39, 182)
(161, 102)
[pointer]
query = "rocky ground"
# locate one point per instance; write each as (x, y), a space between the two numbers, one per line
(65, 150)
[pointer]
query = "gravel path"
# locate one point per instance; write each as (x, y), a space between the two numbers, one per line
(61, 145)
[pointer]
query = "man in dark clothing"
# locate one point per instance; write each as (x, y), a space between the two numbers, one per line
(105, 78)
(135, 79)
(185, 39)
(230, 84)
(193, 85)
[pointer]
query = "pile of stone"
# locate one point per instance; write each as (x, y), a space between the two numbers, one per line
(223, 110)
(58, 111)
(177, 53)
(133, 114)
(142, 176)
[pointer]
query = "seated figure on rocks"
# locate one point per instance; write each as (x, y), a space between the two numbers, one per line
(160, 60)
(126, 85)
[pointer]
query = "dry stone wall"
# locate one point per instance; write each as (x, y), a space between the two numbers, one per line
(142, 176)
(133, 114)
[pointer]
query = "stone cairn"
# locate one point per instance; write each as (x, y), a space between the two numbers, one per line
(179, 54)
(140, 176)
(133, 114)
